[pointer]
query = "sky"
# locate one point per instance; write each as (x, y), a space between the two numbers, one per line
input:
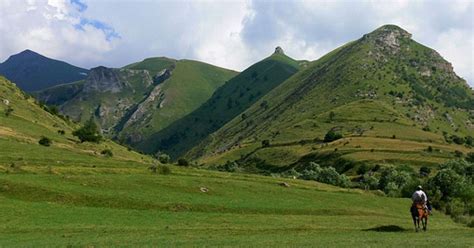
(230, 34)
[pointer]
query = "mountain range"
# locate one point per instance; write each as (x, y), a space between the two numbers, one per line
(387, 97)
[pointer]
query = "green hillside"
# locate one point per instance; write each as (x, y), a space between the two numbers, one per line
(32, 71)
(390, 97)
(69, 194)
(27, 122)
(227, 102)
(140, 99)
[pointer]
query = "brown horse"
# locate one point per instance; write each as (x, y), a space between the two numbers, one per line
(419, 213)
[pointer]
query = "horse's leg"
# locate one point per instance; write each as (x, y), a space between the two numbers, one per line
(414, 222)
(425, 223)
(417, 224)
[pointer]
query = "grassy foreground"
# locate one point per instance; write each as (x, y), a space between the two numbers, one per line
(129, 206)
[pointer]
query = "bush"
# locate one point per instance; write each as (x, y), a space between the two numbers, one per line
(429, 149)
(363, 168)
(370, 182)
(332, 136)
(164, 158)
(470, 157)
(327, 175)
(45, 141)
(61, 132)
(8, 111)
(458, 154)
(229, 166)
(164, 169)
(265, 143)
(88, 133)
(458, 140)
(107, 153)
(183, 162)
(425, 171)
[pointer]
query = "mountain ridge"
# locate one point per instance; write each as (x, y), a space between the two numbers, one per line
(32, 71)
(385, 66)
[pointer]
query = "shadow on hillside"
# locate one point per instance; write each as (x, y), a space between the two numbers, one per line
(388, 228)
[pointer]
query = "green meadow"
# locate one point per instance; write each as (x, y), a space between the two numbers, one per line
(128, 205)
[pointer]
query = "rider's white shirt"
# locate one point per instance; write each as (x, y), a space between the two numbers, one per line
(419, 195)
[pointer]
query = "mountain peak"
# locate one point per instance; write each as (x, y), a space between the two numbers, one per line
(279, 50)
(26, 54)
(387, 37)
(389, 31)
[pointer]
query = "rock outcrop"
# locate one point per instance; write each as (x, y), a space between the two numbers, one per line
(103, 79)
(279, 50)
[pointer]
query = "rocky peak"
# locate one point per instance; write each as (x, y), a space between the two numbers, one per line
(279, 50)
(104, 79)
(387, 37)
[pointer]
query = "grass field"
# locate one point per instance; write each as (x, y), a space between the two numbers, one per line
(129, 206)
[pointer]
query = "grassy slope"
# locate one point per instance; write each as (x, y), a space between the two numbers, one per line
(68, 194)
(226, 103)
(190, 85)
(341, 82)
(20, 132)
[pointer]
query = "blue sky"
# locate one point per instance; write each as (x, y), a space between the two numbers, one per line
(232, 34)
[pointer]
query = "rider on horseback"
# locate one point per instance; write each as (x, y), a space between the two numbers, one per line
(419, 197)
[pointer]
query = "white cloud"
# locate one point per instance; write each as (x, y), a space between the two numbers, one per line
(232, 33)
(52, 28)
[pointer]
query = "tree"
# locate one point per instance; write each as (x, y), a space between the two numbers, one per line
(107, 153)
(88, 133)
(332, 136)
(45, 141)
(183, 162)
(425, 171)
(164, 158)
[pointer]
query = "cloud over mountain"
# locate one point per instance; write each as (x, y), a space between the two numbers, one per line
(232, 34)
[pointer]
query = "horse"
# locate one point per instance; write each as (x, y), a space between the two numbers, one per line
(419, 212)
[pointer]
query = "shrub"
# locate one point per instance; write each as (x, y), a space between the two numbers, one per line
(363, 168)
(470, 157)
(88, 133)
(331, 116)
(45, 141)
(164, 158)
(230, 166)
(8, 111)
(327, 175)
(458, 140)
(61, 132)
(429, 149)
(107, 153)
(458, 154)
(370, 182)
(164, 169)
(183, 162)
(332, 136)
(425, 171)
(265, 143)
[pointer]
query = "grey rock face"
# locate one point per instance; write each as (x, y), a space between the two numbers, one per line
(103, 79)
(279, 50)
